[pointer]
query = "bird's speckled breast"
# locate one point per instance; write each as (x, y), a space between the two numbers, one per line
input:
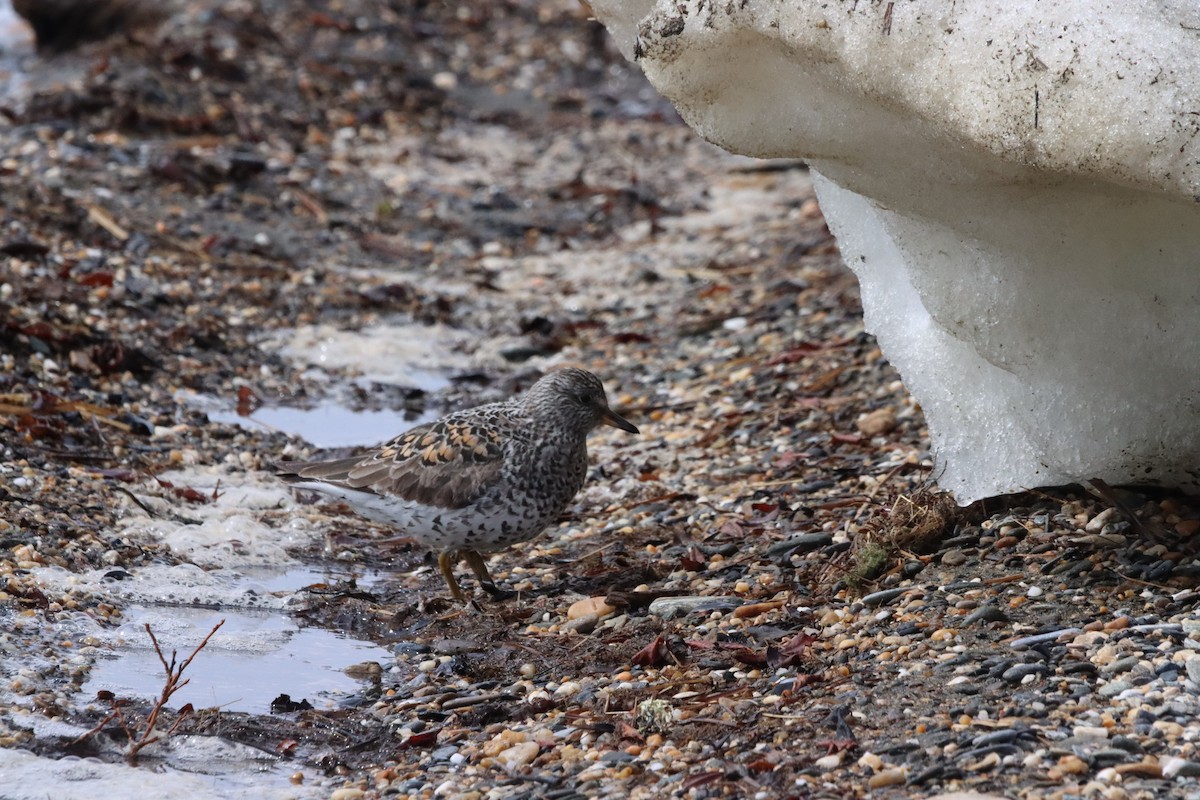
(541, 475)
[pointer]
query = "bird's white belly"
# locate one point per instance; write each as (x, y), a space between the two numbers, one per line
(486, 525)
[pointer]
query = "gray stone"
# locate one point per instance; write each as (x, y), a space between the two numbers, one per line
(670, 607)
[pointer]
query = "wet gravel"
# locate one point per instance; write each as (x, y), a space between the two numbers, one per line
(762, 596)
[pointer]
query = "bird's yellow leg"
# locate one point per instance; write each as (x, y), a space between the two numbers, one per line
(446, 561)
(475, 561)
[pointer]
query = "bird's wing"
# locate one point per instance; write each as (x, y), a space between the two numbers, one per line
(446, 464)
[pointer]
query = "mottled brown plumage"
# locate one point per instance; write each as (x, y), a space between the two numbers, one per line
(60, 25)
(477, 480)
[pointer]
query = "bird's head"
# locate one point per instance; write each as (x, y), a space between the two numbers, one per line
(577, 395)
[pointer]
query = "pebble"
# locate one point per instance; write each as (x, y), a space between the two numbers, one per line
(519, 755)
(1173, 766)
(502, 741)
(1121, 665)
(888, 777)
(671, 607)
(475, 700)
(877, 422)
(882, 597)
(1097, 523)
(829, 762)
(567, 689)
(985, 613)
(801, 543)
(1026, 642)
(870, 761)
(583, 625)
(755, 609)
(590, 607)
(1019, 672)
(1091, 733)
(954, 557)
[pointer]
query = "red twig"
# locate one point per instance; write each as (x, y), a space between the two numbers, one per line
(173, 682)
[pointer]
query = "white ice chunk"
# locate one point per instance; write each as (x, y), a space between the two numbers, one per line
(1017, 186)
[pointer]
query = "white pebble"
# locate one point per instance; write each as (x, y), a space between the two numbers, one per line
(568, 689)
(829, 762)
(734, 324)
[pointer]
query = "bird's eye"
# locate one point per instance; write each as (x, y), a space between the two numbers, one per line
(584, 398)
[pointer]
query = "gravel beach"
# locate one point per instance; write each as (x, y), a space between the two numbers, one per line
(390, 212)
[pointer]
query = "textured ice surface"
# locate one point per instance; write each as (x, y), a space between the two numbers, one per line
(1016, 186)
(31, 777)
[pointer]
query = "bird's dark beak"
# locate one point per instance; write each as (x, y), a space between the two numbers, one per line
(610, 417)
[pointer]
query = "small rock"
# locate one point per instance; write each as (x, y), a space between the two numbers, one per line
(567, 689)
(1097, 523)
(1101, 540)
(1026, 642)
(590, 606)
(1141, 769)
(1187, 527)
(443, 753)
(876, 422)
(954, 557)
(803, 543)
(754, 609)
(1173, 766)
(519, 755)
(347, 793)
(1170, 728)
(985, 764)
(1114, 688)
(888, 777)
(1121, 665)
(1071, 765)
(829, 762)
(1090, 733)
(985, 613)
(583, 625)
(501, 742)
(882, 597)
(1019, 672)
(670, 607)
(870, 761)
(962, 684)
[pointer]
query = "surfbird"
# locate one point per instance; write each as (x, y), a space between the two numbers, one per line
(475, 481)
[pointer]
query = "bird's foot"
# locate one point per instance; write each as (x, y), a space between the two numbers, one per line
(497, 593)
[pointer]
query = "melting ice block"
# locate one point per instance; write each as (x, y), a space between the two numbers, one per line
(1016, 185)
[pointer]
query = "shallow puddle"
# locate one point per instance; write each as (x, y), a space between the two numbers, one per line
(252, 659)
(329, 424)
(16, 42)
